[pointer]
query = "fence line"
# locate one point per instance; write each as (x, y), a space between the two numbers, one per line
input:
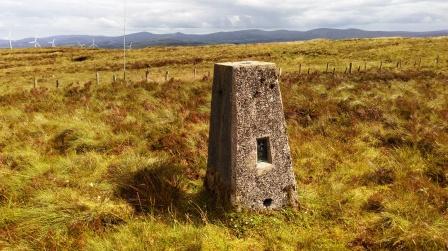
(207, 75)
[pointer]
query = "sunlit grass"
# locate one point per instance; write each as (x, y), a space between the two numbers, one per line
(119, 166)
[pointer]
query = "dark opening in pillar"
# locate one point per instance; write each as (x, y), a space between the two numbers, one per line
(263, 152)
(267, 202)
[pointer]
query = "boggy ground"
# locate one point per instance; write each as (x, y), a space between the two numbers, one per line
(119, 166)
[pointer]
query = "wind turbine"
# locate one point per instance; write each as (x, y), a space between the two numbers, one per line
(81, 45)
(36, 44)
(130, 45)
(93, 45)
(52, 43)
(10, 41)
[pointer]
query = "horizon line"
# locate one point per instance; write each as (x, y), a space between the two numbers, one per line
(225, 31)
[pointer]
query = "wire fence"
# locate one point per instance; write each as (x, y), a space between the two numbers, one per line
(301, 69)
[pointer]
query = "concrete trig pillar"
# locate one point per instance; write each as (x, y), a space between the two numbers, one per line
(249, 160)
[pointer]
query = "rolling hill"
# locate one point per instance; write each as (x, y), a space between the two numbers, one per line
(145, 39)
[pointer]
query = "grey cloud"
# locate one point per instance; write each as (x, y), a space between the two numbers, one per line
(105, 17)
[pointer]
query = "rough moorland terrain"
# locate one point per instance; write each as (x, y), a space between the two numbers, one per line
(119, 166)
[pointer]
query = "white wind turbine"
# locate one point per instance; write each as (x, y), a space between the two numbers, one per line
(93, 45)
(130, 45)
(35, 42)
(53, 44)
(81, 45)
(10, 41)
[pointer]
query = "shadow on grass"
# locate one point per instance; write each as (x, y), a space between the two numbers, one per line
(161, 190)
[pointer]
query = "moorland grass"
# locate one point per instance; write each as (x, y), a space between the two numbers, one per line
(119, 166)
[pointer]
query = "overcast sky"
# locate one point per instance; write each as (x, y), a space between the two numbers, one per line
(27, 18)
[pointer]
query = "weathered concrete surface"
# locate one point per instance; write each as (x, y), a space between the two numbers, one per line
(246, 106)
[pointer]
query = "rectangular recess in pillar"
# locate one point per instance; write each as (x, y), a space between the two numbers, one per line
(263, 150)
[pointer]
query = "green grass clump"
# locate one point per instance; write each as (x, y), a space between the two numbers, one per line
(120, 166)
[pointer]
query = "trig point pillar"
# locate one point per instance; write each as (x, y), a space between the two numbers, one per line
(249, 161)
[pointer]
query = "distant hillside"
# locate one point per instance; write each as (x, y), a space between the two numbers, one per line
(144, 39)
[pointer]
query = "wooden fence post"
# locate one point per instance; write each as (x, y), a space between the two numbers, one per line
(326, 70)
(35, 83)
(365, 66)
(114, 78)
(334, 70)
(57, 83)
(166, 75)
(381, 65)
(147, 74)
(300, 69)
(97, 78)
(350, 68)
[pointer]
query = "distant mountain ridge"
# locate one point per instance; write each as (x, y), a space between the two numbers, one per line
(145, 39)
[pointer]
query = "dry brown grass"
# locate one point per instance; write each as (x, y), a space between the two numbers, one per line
(120, 165)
